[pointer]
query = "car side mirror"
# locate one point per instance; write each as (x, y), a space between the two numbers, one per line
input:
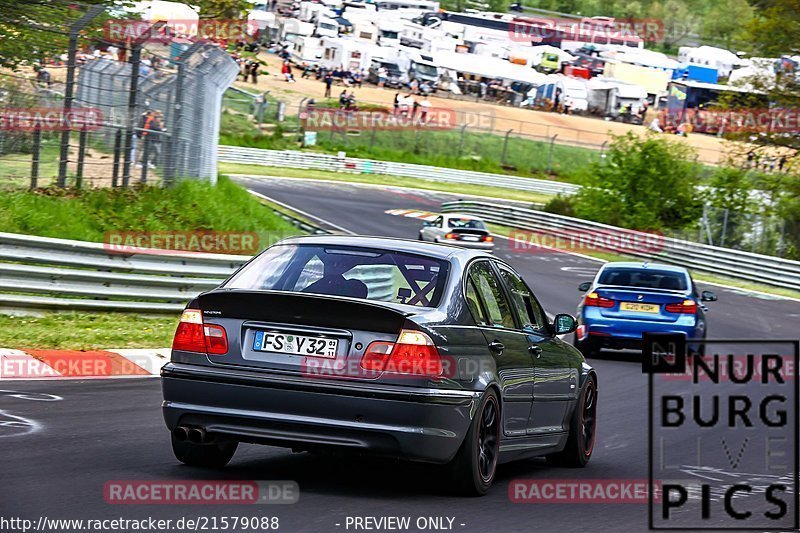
(708, 296)
(585, 286)
(564, 323)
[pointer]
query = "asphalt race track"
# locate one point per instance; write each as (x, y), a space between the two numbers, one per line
(59, 451)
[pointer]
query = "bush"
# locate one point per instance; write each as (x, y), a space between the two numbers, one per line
(560, 205)
(646, 184)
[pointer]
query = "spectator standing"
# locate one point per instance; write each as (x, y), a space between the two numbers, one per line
(254, 71)
(328, 82)
(382, 76)
(424, 105)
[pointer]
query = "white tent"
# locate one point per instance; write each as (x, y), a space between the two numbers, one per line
(645, 58)
(488, 67)
(759, 73)
(723, 60)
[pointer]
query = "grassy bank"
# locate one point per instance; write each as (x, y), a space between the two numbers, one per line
(481, 152)
(86, 331)
(90, 214)
(397, 181)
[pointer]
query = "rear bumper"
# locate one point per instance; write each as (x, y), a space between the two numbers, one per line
(617, 334)
(472, 245)
(416, 424)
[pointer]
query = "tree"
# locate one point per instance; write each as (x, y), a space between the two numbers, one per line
(726, 22)
(646, 184)
(730, 195)
(33, 30)
(37, 29)
(775, 29)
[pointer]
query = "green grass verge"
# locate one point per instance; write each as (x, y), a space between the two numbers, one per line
(698, 276)
(90, 214)
(483, 152)
(86, 331)
(380, 179)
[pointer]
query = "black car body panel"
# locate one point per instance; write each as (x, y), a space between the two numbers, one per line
(278, 399)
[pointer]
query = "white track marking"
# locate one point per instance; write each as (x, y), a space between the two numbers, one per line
(303, 213)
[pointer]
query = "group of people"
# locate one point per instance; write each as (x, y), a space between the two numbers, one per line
(409, 107)
(248, 68)
(347, 101)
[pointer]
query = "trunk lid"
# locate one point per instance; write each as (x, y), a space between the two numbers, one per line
(640, 304)
(308, 334)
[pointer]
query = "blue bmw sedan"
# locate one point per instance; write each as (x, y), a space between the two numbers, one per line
(626, 299)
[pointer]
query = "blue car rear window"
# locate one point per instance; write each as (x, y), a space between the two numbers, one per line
(644, 278)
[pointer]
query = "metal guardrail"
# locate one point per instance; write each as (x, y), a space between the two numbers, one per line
(41, 273)
(737, 264)
(311, 160)
(46, 273)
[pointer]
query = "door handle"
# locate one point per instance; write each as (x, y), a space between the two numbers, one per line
(497, 347)
(535, 350)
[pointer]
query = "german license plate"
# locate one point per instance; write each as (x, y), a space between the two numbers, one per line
(638, 308)
(472, 238)
(267, 341)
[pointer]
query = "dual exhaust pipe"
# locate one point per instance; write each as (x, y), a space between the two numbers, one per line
(195, 435)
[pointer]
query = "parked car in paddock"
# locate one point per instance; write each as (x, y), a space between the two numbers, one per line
(626, 299)
(462, 230)
(414, 350)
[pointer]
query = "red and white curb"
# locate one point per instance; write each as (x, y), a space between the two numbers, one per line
(81, 364)
(412, 213)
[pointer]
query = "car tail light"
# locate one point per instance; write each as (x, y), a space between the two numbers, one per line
(193, 336)
(582, 331)
(487, 238)
(413, 353)
(688, 307)
(595, 300)
(452, 236)
(216, 339)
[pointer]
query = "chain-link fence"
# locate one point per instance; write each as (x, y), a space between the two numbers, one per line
(753, 232)
(111, 113)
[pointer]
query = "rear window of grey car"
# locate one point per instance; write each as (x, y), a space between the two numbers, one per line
(643, 278)
(370, 274)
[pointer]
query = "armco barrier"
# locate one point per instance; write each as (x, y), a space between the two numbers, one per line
(311, 160)
(63, 274)
(736, 264)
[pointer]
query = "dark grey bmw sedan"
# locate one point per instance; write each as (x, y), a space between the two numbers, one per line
(421, 351)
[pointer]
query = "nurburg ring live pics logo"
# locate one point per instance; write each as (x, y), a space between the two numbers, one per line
(723, 433)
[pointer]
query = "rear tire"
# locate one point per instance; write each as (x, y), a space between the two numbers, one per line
(582, 430)
(586, 347)
(474, 466)
(215, 454)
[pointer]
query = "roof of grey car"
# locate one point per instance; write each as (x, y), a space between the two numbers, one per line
(430, 249)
